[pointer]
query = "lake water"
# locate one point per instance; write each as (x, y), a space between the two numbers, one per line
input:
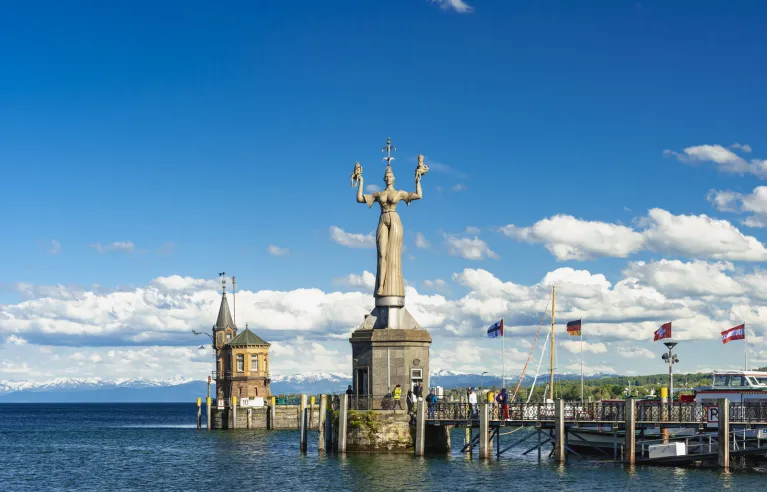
(120, 447)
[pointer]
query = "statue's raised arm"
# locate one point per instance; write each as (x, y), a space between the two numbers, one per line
(359, 182)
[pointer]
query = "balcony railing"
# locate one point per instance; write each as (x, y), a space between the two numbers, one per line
(234, 374)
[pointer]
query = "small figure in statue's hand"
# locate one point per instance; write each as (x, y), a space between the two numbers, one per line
(421, 169)
(357, 174)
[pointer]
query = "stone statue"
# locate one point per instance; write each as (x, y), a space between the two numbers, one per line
(389, 233)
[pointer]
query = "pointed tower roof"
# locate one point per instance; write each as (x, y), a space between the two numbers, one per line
(247, 338)
(224, 316)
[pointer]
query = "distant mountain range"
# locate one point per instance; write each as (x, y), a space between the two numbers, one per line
(76, 390)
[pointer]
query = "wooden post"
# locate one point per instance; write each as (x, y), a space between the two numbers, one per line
(199, 413)
(467, 438)
(321, 424)
(484, 427)
(248, 425)
(630, 440)
(234, 412)
(560, 453)
(343, 410)
(302, 423)
(207, 410)
(311, 412)
(420, 428)
(723, 446)
(273, 414)
(329, 429)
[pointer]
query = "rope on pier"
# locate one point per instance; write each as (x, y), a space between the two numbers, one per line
(540, 325)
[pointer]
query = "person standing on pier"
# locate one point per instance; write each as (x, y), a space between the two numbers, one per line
(410, 398)
(473, 404)
(397, 397)
(419, 391)
(431, 403)
(503, 399)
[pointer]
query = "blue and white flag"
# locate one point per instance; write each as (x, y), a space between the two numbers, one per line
(496, 330)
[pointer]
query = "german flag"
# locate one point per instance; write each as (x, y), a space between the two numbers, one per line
(574, 328)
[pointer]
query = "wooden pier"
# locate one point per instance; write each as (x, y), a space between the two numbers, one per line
(556, 423)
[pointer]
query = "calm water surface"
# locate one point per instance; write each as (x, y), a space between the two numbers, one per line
(119, 447)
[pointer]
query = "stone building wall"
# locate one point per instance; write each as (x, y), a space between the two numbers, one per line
(286, 418)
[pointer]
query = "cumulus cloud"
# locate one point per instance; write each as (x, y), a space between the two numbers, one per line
(574, 347)
(367, 280)
(469, 248)
(352, 240)
(569, 238)
(754, 203)
(421, 242)
(459, 6)
(120, 246)
(723, 158)
(277, 251)
(55, 247)
(90, 328)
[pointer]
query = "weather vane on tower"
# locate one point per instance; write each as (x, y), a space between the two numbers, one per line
(223, 281)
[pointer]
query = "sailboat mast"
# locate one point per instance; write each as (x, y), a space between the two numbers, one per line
(551, 370)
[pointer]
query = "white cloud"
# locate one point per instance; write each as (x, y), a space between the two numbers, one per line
(55, 247)
(277, 251)
(87, 332)
(574, 347)
(459, 187)
(569, 238)
(743, 147)
(122, 246)
(445, 169)
(458, 5)
(630, 352)
(421, 242)
(472, 231)
(366, 280)
(725, 159)
(372, 188)
(351, 240)
(468, 248)
(15, 340)
(754, 203)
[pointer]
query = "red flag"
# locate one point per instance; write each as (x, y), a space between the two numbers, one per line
(663, 332)
(734, 333)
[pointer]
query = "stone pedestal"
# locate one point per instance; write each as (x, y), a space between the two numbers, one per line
(389, 348)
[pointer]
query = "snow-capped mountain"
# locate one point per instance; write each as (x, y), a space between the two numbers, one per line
(185, 390)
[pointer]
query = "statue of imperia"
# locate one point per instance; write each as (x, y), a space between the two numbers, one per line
(389, 233)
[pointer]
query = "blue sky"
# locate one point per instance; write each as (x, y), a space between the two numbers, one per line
(141, 142)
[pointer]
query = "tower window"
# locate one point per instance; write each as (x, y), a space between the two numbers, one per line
(240, 362)
(228, 336)
(254, 363)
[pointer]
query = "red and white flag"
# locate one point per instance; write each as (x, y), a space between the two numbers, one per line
(663, 332)
(734, 333)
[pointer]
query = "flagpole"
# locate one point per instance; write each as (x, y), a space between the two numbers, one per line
(581, 360)
(503, 356)
(745, 344)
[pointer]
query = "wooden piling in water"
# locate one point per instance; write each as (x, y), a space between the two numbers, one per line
(484, 428)
(420, 428)
(234, 412)
(321, 425)
(723, 441)
(302, 428)
(207, 410)
(629, 453)
(342, 418)
(199, 414)
(560, 453)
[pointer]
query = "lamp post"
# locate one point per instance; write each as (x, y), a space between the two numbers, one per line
(670, 359)
(480, 380)
(214, 346)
